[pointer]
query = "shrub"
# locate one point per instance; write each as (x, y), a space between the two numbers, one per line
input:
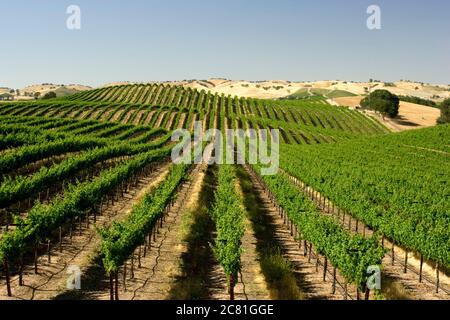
(49, 95)
(445, 112)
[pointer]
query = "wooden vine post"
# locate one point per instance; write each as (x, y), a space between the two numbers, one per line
(310, 253)
(334, 281)
(116, 289)
(437, 278)
(367, 294)
(35, 259)
(49, 257)
(139, 258)
(325, 266)
(393, 253)
(231, 289)
(60, 239)
(305, 248)
(125, 276)
(421, 268)
(111, 287)
(345, 290)
(405, 270)
(21, 271)
(317, 261)
(8, 280)
(132, 266)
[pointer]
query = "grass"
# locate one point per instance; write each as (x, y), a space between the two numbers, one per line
(318, 92)
(340, 94)
(277, 270)
(299, 94)
(63, 92)
(197, 230)
(393, 290)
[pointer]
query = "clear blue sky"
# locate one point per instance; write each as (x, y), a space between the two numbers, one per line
(143, 40)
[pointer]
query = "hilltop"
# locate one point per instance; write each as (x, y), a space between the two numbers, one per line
(343, 93)
(61, 90)
(275, 89)
(268, 89)
(337, 92)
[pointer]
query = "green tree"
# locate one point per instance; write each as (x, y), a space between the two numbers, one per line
(383, 102)
(49, 95)
(445, 112)
(36, 95)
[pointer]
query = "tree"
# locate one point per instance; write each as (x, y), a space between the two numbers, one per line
(383, 102)
(49, 95)
(445, 112)
(12, 91)
(18, 92)
(36, 95)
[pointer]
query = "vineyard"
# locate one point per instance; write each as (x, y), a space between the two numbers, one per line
(170, 107)
(92, 207)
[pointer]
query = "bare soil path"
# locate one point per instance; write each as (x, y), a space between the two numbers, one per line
(149, 118)
(127, 116)
(161, 266)
(252, 284)
(160, 119)
(138, 118)
(170, 121)
(181, 121)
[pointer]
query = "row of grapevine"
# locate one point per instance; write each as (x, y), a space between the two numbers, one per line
(351, 254)
(19, 188)
(315, 113)
(120, 240)
(299, 121)
(22, 156)
(228, 216)
(170, 120)
(79, 200)
(69, 127)
(12, 136)
(397, 185)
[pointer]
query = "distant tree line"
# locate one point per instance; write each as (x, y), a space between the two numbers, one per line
(417, 100)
